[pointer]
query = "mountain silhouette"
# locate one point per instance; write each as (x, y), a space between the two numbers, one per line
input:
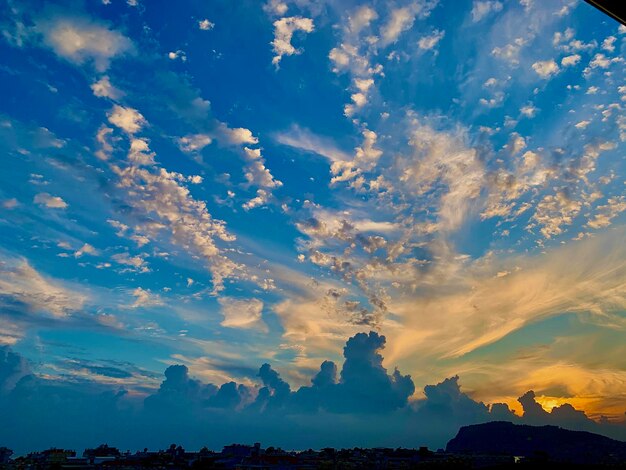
(550, 443)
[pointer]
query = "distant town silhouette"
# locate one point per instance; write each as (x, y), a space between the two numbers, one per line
(496, 444)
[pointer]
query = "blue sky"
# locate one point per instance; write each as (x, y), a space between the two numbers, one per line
(224, 184)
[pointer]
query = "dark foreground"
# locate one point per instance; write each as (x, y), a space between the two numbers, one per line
(497, 445)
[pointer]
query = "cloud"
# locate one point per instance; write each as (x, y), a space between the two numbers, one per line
(12, 368)
(529, 110)
(255, 171)
(238, 136)
(134, 263)
(206, 25)
(20, 282)
(570, 60)
(162, 205)
(335, 409)
(85, 249)
(494, 307)
(80, 40)
(365, 159)
(47, 200)
(303, 139)
(546, 68)
(482, 9)
(145, 298)
(194, 142)
(361, 18)
(284, 29)
(510, 52)
(103, 89)
(128, 119)
(430, 41)
(242, 313)
(402, 19)
(607, 212)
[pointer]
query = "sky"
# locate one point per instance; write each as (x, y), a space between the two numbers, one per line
(223, 220)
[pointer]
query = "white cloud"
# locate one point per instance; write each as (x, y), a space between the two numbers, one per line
(163, 206)
(606, 213)
(255, 171)
(582, 124)
(276, 7)
(105, 150)
(609, 44)
(242, 313)
(600, 61)
(365, 159)
(205, 25)
(430, 41)
(402, 19)
(510, 52)
(85, 249)
(19, 280)
(303, 139)
(570, 60)
(361, 18)
(103, 89)
(284, 29)
(194, 142)
(53, 202)
(555, 211)
(134, 263)
(127, 119)
(481, 9)
(529, 110)
(80, 40)
(545, 68)
(139, 153)
(145, 298)
(174, 55)
(262, 197)
(237, 136)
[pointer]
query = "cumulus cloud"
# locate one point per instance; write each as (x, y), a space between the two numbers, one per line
(194, 142)
(546, 68)
(237, 136)
(47, 200)
(255, 171)
(284, 30)
(104, 89)
(81, 40)
(85, 249)
(128, 119)
(570, 60)
(145, 298)
(510, 52)
(335, 409)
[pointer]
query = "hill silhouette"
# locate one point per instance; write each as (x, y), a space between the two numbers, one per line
(550, 443)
